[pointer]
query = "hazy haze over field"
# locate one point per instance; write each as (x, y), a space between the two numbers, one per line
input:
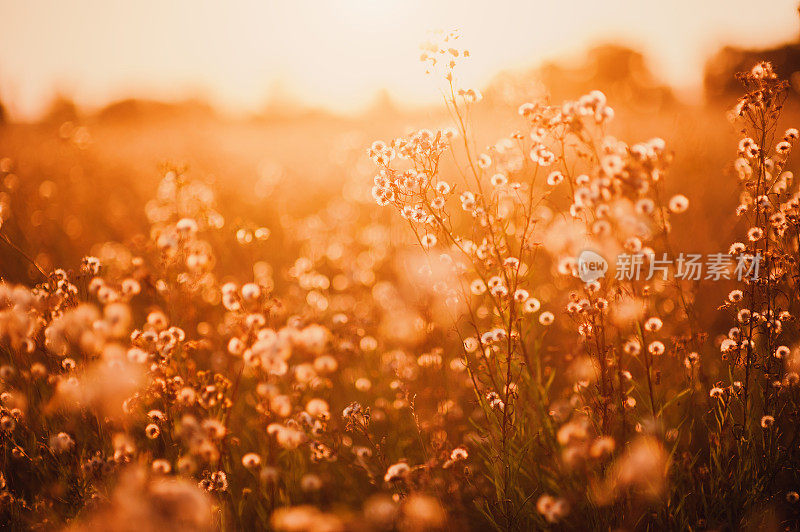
(337, 53)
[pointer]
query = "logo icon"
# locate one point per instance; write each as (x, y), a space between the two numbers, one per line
(591, 266)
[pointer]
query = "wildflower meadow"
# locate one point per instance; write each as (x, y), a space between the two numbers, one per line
(550, 326)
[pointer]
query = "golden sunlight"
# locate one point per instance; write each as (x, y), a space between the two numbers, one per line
(338, 53)
(399, 265)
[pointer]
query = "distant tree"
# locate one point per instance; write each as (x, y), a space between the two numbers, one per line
(719, 81)
(382, 104)
(143, 110)
(61, 109)
(622, 73)
(281, 102)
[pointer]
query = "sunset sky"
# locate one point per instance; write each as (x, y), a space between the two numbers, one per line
(337, 53)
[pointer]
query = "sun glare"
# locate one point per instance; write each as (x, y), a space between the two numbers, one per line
(333, 54)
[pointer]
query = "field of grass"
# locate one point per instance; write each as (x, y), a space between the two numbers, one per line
(321, 323)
